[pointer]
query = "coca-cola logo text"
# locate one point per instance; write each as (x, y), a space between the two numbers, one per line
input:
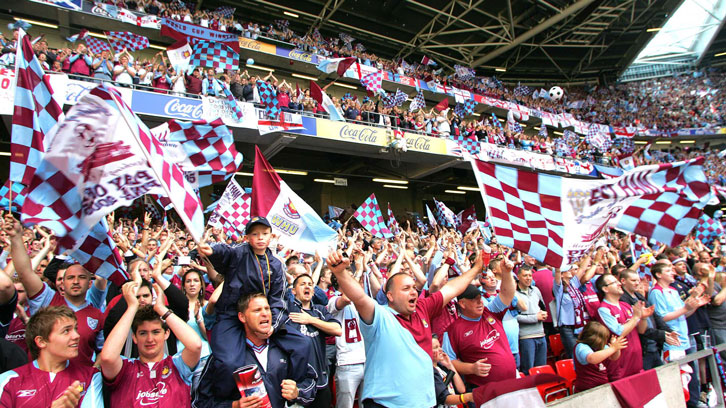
(177, 107)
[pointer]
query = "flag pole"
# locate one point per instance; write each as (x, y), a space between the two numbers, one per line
(10, 198)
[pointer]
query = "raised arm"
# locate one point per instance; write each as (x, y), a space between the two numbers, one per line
(32, 283)
(183, 332)
(110, 357)
(364, 304)
(457, 285)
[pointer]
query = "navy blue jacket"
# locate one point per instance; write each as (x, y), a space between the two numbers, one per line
(319, 361)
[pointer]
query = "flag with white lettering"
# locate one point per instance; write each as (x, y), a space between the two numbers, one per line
(101, 158)
(558, 220)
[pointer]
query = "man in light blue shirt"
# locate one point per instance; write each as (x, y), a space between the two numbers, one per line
(398, 373)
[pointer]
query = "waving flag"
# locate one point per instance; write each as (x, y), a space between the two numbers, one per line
(121, 40)
(370, 217)
(96, 45)
(337, 65)
(233, 209)
(373, 82)
(205, 151)
(443, 105)
(298, 226)
(626, 145)
(514, 127)
(464, 73)
(213, 54)
(467, 220)
(421, 227)
(268, 97)
(231, 100)
(557, 220)
(334, 212)
(392, 223)
(16, 195)
(78, 36)
(428, 61)
(444, 215)
(430, 216)
(37, 110)
(226, 11)
(597, 139)
(542, 131)
(571, 138)
(324, 100)
(101, 158)
(708, 229)
(100, 256)
(471, 145)
(400, 97)
(180, 55)
(418, 102)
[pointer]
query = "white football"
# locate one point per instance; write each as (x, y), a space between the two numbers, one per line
(556, 93)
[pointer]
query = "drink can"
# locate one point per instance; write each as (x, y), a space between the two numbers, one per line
(249, 382)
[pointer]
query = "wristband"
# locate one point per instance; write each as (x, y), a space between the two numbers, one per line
(450, 261)
(461, 398)
(166, 315)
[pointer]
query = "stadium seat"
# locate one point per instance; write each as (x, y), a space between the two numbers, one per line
(550, 391)
(566, 369)
(555, 342)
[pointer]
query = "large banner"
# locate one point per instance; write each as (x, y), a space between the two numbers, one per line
(557, 220)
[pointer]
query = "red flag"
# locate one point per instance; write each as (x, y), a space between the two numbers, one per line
(443, 105)
(639, 390)
(344, 65)
(468, 217)
(513, 392)
(265, 179)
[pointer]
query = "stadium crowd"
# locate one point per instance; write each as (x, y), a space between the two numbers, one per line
(454, 308)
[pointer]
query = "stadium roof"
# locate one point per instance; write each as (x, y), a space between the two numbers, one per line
(540, 41)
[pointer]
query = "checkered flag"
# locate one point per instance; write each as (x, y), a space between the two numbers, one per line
(496, 122)
(373, 82)
(96, 45)
(514, 127)
(388, 100)
(370, 217)
(17, 196)
(469, 106)
(226, 11)
(471, 145)
(121, 40)
(268, 97)
(597, 139)
(231, 100)
(233, 211)
(421, 226)
(392, 223)
(624, 144)
(209, 147)
(37, 110)
(571, 138)
(444, 215)
(57, 202)
(418, 102)
(213, 55)
(100, 256)
(562, 148)
(708, 229)
(400, 97)
(150, 208)
(662, 202)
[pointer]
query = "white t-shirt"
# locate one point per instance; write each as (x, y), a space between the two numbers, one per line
(350, 346)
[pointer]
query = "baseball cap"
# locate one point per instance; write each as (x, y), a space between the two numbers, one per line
(675, 261)
(256, 220)
(471, 292)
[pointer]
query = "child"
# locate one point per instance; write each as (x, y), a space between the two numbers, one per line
(591, 351)
(247, 268)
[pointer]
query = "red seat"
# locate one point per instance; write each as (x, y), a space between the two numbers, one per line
(566, 369)
(550, 391)
(556, 346)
